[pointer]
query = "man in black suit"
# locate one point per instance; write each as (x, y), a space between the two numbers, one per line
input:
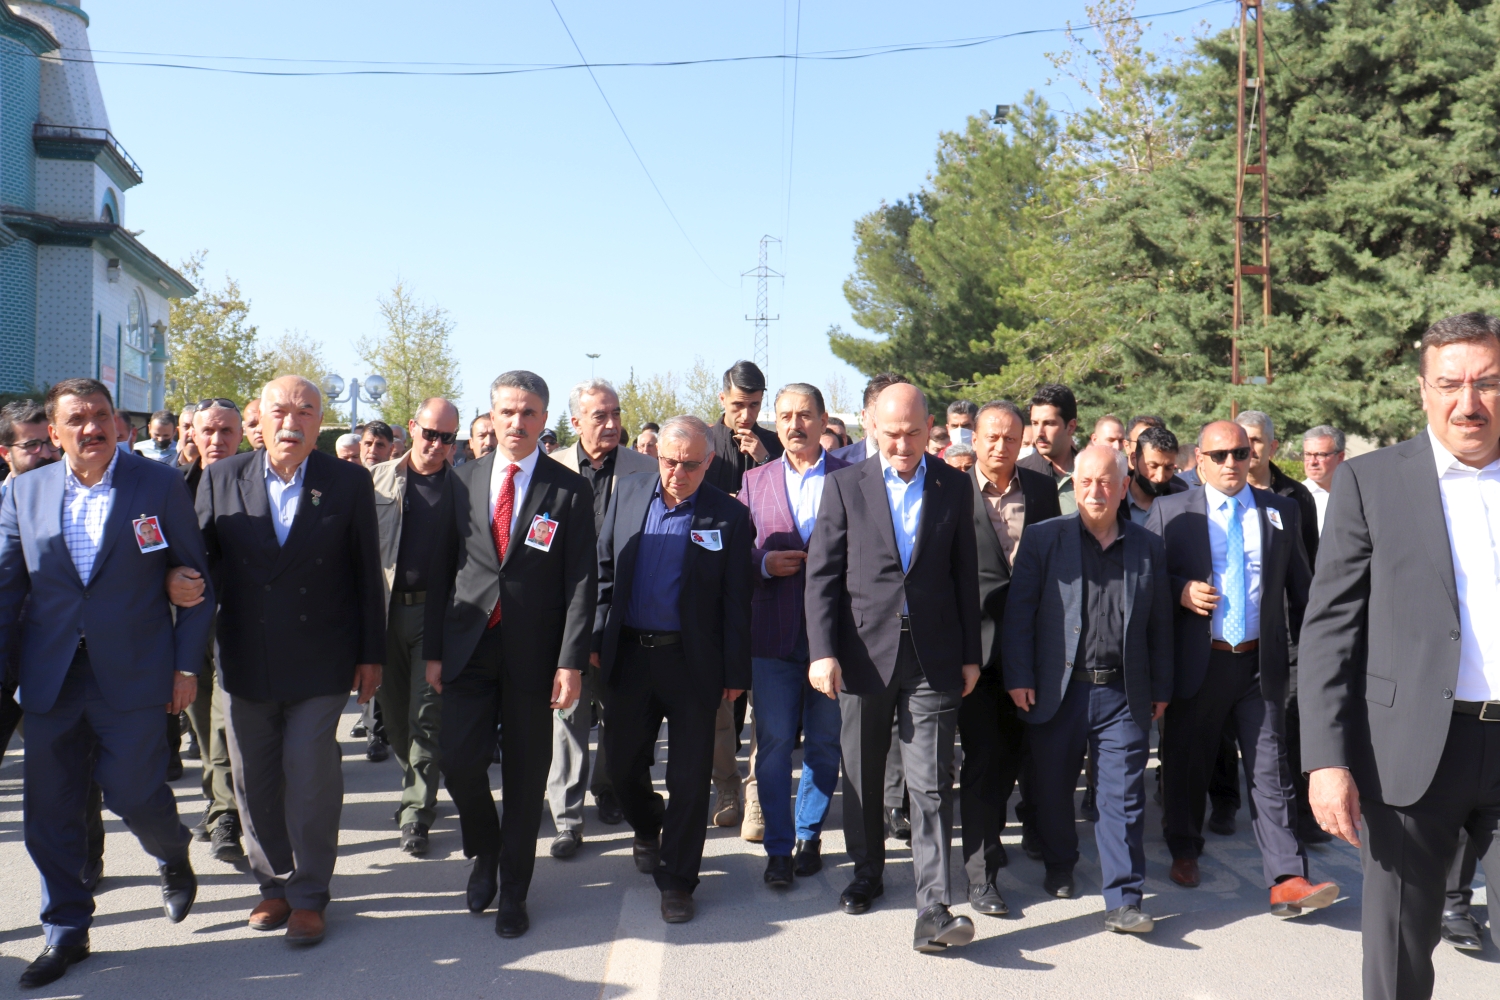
(893, 627)
(737, 441)
(1007, 501)
(295, 555)
(672, 634)
(1400, 675)
(1240, 574)
(506, 637)
(1088, 661)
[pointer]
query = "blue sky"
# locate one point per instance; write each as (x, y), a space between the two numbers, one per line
(514, 201)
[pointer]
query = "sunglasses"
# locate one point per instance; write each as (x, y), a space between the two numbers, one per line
(218, 403)
(1221, 456)
(428, 434)
(671, 463)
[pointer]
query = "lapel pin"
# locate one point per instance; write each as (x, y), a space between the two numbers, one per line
(317, 497)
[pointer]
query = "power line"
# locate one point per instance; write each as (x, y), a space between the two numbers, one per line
(791, 159)
(645, 169)
(516, 69)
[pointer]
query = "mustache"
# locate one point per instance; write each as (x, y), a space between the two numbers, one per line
(797, 435)
(290, 436)
(86, 440)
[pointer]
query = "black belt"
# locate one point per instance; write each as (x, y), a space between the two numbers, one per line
(650, 640)
(1086, 676)
(409, 597)
(1488, 711)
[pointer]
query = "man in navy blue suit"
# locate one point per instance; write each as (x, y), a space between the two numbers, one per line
(90, 540)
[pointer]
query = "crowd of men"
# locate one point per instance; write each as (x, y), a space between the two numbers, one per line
(991, 582)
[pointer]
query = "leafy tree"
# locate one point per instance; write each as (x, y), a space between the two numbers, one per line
(214, 350)
(296, 353)
(413, 354)
(652, 400)
(564, 429)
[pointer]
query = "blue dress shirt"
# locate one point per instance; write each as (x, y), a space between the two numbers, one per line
(284, 498)
(657, 583)
(905, 500)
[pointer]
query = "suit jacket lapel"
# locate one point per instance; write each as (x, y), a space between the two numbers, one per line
(873, 485)
(987, 534)
(52, 521)
(253, 498)
(1271, 544)
(1072, 557)
(1133, 561)
(309, 510)
(531, 506)
(479, 508)
(1426, 517)
(121, 510)
(630, 521)
(703, 519)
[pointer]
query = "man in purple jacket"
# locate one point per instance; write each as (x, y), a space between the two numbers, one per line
(783, 497)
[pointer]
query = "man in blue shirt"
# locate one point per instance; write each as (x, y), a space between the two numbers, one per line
(671, 639)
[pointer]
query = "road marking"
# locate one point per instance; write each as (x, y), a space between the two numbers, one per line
(633, 966)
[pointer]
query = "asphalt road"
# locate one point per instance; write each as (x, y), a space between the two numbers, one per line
(398, 927)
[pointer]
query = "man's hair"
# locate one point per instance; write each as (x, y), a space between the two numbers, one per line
(350, 440)
(940, 432)
(188, 411)
(1004, 406)
(651, 425)
(1260, 419)
(1144, 418)
(1465, 328)
(525, 381)
(164, 416)
(1108, 418)
(684, 427)
(1320, 431)
(22, 411)
(438, 404)
(479, 417)
(962, 408)
(80, 387)
(837, 422)
(1060, 396)
(958, 451)
(812, 392)
(592, 387)
(880, 383)
(745, 376)
(380, 429)
(1157, 438)
(1205, 426)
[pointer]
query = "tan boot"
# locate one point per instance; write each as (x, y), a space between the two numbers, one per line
(727, 809)
(753, 828)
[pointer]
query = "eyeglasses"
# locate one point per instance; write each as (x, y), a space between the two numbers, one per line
(671, 464)
(1221, 456)
(428, 434)
(218, 402)
(1488, 387)
(1319, 456)
(34, 445)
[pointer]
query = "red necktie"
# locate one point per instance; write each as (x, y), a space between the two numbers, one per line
(505, 505)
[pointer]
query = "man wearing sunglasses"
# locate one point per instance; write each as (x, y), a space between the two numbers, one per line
(1240, 574)
(407, 495)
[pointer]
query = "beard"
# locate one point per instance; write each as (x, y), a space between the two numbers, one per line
(1153, 489)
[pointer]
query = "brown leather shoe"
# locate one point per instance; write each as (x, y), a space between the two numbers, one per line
(1185, 872)
(676, 906)
(305, 927)
(1295, 895)
(269, 914)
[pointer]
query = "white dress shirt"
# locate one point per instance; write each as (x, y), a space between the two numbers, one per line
(804, 492)
(523, 480)
(1320, 497)
(1471, 510)
(1218, 543)
(284, 497)
(85, 511)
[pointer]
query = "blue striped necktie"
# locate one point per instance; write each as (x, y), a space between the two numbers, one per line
(1234, 578)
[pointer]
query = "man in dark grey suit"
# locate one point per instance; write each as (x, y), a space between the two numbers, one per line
(1400, 656)
(1088, 661)
(1240, 574)
(893, 630)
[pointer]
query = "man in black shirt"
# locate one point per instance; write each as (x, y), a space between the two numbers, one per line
(407, 491)
(739, 443)
(1087, 658)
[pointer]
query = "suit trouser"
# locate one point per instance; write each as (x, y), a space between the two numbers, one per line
(1231, 690)
(926, 720)
(647, 686)
(992, 737)
(413, 713)
(1407, 852)
(893, 792)
(1460, 889)
(1096, 718)
(784, 702)
(10, 715)
(570, 774)
(206, 715)
(81, 740)
(289, 783)
(483, 693)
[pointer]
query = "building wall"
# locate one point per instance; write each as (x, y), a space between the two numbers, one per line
(64, 320)
(70, 90)
(18, 262)
(65, 188)
(18, 316)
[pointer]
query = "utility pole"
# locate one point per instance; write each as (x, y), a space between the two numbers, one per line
(1250, 161)
(763, 275)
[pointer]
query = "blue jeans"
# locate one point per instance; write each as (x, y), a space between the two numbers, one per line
(784, 698)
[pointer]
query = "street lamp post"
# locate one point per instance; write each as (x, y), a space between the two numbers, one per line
(374, 387)
(592, 358)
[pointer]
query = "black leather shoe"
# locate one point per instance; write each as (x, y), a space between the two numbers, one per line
(93, 874)
(482, 884)
(1462, 931)
(1088, 809)
(938, 929)
(1128, 920)
(52, 963)
(1221, 821)
(779, 872)
(676, 906)
(1059, 883)
(565, 844)
(647, 854)
(512, 920)
(1031, 844)
(226, 839)
(807, 859)
(608, 807)
(986, 899)
(179, 887)
(414, 839)
(200, 830)
(377, 750)
(859, 894)
(899, 823)
(358, 730)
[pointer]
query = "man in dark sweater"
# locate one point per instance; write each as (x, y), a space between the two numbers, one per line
(739, 443)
